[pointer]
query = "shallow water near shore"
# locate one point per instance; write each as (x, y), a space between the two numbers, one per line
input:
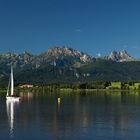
(71, 116)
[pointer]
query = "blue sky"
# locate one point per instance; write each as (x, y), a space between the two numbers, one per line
(92, 26)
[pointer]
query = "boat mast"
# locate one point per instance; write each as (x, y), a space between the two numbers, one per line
(12, 82)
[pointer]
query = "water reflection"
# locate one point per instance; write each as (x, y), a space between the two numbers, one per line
(58, 103)
(26, 96)
(10, 107)
(99, 115)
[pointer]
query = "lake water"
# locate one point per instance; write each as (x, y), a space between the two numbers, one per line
(71, 116)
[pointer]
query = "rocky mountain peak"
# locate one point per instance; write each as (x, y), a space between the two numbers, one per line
(125, 55)
(62, 52)
(119, 56)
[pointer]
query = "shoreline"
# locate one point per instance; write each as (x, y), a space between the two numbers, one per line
(73, 90)
(98, 90)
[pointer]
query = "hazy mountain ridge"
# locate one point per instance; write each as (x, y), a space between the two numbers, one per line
(57, 56)
(63, 64)
(54, 56)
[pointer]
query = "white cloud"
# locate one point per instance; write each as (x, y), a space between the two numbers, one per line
(135, 47)
(78, 30)
(131, 47)
(99, 54)
(125, 46)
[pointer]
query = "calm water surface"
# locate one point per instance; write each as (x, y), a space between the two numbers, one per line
(71, 116)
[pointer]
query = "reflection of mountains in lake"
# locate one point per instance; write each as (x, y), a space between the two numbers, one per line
(79, 112)
(76, 115)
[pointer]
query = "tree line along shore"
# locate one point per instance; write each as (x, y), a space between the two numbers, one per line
(77, 86)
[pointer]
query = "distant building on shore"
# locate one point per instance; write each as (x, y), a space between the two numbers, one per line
(26, 86)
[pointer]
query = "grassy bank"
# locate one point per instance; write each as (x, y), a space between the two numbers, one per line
(91, 86)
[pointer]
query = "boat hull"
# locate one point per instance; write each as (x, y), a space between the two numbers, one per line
(13, 99)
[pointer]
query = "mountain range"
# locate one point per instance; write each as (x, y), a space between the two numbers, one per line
(63, 64)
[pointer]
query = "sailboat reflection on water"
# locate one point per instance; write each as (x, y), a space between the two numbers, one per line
(10, 107)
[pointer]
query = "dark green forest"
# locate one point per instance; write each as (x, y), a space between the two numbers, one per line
(97, 71)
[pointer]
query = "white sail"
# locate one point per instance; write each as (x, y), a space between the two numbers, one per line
(10, 96)
(12, 82)
(8, 88)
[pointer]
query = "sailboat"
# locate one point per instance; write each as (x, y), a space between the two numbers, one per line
(10, 96)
